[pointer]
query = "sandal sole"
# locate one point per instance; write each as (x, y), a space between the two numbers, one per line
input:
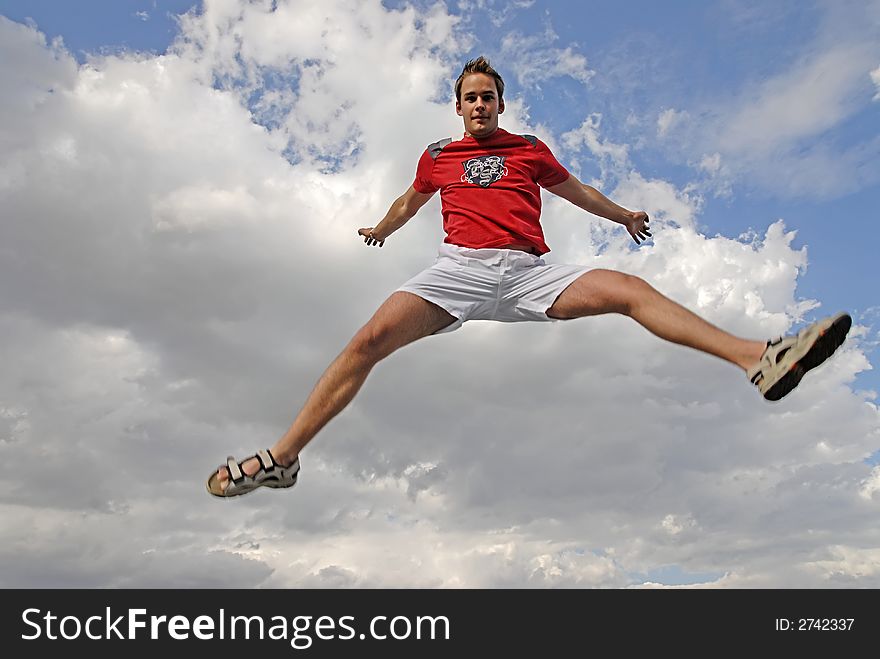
(244, 489)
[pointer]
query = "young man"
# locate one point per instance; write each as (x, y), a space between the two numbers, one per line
(489, 267)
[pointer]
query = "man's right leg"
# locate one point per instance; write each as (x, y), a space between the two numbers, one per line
(402, 319)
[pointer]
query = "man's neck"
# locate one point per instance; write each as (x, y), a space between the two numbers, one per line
(483, 137)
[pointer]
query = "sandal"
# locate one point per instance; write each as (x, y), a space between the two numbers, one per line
(270, 474)
(787, 359)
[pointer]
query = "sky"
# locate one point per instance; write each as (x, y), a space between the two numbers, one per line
(181, 184)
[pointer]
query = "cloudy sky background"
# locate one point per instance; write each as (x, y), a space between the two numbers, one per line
(180, 187)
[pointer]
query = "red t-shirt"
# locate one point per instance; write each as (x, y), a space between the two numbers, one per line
(489, 188)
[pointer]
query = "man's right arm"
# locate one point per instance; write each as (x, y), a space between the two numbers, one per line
(402, 211)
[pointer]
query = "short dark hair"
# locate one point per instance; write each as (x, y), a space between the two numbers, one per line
(479, 65)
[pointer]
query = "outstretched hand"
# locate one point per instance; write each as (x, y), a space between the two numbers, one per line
(637, 226)
(367, 233)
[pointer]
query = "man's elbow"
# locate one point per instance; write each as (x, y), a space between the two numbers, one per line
(401, 212)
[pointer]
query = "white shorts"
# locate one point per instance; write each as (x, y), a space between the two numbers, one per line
(508, 285)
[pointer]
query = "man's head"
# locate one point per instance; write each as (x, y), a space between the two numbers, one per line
(479, 97)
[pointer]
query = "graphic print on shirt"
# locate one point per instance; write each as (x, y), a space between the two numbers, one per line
(483, 170)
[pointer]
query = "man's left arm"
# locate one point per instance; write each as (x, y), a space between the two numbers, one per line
(591, 200)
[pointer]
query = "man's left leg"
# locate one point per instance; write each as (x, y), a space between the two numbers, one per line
(774, 367)
(606, 291)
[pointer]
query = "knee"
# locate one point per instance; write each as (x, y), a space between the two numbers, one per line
(633, 292)
(370, 343)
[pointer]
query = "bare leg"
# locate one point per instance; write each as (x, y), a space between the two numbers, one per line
(606, 291)
(402, 319)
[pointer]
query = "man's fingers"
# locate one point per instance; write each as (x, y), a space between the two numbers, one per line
(640, 236)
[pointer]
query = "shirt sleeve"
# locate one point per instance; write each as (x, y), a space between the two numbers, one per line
(423, 182)
(550, 172)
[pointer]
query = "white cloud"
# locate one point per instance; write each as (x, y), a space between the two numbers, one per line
(498, 12)
(659, 198)
(852, 563)
(875, 78)
(711, 163)
(188, 284)
(534, 61)
(198, 207)
(588, 135)
(612, 158)
(675, 525)
(771, 132)
(796, 104)
(870, 485)
(668, 119)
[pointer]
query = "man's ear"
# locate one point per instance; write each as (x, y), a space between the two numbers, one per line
(501, 106)
(458, 108)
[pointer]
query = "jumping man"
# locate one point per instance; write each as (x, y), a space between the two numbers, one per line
(489, 267)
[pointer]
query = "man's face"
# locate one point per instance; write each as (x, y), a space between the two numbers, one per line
(479, 105)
